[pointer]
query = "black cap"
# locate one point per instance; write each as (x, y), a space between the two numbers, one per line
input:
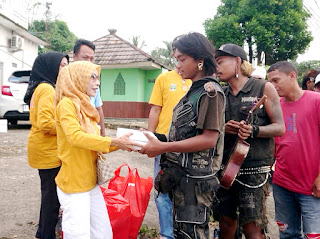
(232, 50)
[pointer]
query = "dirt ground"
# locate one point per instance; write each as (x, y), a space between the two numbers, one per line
(20, 186)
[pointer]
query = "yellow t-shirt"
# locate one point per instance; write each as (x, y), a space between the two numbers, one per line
(77, 150)
(42, 140)
(168, 89)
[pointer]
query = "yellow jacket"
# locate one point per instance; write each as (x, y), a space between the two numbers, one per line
(77, 150)
(42, 140)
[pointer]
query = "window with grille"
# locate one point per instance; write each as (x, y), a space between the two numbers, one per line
(119, 87)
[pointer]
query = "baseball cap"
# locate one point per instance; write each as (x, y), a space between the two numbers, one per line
(233, 50)
(317, 80)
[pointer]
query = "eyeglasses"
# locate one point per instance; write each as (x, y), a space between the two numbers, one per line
(95, 76)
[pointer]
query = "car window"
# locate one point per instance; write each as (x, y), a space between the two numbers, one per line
(20, 77)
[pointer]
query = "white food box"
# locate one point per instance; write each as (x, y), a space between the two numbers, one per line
(3, 126)
(137, 136)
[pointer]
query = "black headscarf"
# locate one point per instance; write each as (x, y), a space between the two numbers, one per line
(45, 69)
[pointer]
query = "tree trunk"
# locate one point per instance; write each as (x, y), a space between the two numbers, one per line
(259, 57)
(250, 50)
(269, 59)
(250, 53)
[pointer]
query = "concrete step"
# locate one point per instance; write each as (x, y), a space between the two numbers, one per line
(114, 123)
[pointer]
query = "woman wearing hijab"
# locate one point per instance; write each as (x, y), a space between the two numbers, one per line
(84, 210)
(193, 152)
(42, 140)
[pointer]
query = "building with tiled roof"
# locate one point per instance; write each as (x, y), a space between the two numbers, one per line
(127, 77)
(115, 52)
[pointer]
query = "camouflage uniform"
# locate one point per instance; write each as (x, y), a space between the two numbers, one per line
(191, 176)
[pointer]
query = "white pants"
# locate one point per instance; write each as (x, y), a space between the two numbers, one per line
(85, 215)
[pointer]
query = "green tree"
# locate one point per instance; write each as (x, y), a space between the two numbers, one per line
(32, 9)
(304, 66)
(136, 41)
(164, 55)
(56, 33)
(276, 27)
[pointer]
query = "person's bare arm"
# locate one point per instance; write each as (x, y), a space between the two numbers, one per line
(154, 117)
(101, 122)
(125, 143)
(206, 140)
(274, 112)
(316, 187)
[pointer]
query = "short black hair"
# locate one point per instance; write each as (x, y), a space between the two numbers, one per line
(174, 41)
(312, 73)
(198, 47)
(81, 42)
(283, 66)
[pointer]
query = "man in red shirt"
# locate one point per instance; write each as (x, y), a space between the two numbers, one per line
(296, 180)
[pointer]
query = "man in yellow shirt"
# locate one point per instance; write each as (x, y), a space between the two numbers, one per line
(168, 89)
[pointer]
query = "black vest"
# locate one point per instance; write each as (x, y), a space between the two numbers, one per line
(184, 126)
(237, 108)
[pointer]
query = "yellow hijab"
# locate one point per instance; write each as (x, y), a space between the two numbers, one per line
(73, 83)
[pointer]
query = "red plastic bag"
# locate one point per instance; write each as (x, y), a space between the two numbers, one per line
(119, 213)
(136, 191)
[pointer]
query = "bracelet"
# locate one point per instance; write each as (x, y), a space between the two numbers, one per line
(255, 131)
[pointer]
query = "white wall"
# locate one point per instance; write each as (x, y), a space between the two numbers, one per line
(19, 60)
(15, 10)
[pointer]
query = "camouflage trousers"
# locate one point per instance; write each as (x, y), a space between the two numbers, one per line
(192, 203)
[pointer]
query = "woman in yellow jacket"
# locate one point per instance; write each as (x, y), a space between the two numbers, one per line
(42, 140)
(84, 211)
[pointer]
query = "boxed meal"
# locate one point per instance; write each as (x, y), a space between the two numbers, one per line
(137, 135)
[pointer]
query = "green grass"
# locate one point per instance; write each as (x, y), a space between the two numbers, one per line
(146, 233)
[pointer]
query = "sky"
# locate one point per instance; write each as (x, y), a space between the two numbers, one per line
(153, 21)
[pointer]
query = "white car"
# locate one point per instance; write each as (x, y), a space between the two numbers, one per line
(12, 106)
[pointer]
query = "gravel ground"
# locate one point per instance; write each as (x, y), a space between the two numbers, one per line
(20, 186)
